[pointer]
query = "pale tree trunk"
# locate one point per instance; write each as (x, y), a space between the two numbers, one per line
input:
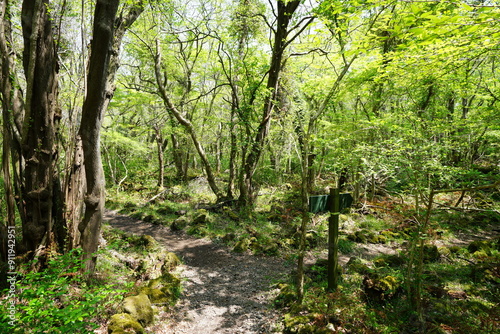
(161, 164)
(40, 124)
(186, 123)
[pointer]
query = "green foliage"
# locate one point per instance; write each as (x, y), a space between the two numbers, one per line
(59, 300)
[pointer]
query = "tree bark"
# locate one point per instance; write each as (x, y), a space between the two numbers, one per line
(186, 123)
(96, 101)
(247, 187)
(40, 124)
(12, 104)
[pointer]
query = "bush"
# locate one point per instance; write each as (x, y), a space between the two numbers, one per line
(58, 300)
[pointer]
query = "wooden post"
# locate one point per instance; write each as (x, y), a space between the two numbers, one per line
(333, 239)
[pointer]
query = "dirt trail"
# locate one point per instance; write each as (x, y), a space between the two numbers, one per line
(224, 292)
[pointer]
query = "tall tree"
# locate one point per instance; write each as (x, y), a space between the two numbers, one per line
(107, 34)
(285, 12)
(40, 124)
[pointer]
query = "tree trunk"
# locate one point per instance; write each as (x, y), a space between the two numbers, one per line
(11, 105)
(186, 123)
(247, 187)
(108, 34)
(98, 96)
(161, 164)
(40, 124)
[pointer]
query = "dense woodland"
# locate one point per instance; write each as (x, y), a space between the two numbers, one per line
(261, 104)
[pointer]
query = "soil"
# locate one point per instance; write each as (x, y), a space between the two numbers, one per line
(223, 292)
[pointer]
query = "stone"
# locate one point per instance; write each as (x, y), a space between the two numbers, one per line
(168, 284)
(170, 261)
(242, 245)
(121, 322)
(139, 307)
(201, 217)
(179, 224)
(148, 242)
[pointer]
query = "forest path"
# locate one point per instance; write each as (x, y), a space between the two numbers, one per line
(223, 292)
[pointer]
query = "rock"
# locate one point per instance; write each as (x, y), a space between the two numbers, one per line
(286, 297)
(122, 323)
(168, 284)
(170, 261)
(479, 245)
(242, 245)
(201, 217)
(139, 307)
(380, 289)
(148, 242)
(179, 224)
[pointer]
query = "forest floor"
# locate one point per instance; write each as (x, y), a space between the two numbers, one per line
(223, 291)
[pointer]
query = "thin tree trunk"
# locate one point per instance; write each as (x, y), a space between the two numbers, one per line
(92, 116)
(247, 187)
(186, 123)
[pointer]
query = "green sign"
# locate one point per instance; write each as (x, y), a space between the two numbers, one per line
(322, 203)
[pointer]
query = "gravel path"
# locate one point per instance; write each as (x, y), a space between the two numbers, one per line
(224, 292)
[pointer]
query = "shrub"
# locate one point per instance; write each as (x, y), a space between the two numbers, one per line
(58, 300)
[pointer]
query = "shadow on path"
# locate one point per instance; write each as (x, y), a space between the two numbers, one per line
(224, 292)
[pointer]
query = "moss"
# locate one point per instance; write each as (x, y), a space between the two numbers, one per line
(242, 245)
(170, 261)
(454, 249)
(179, 224)
(303, 324)
(479, 245)
(139, 307)
(380, 289)
(286, 297)
(121, 322)
(148, 242)
(201, 217)
(168, 284)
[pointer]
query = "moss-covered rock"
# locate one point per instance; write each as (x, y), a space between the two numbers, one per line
(390, 234)
(389, 261)
(356, 265)
(168, 284)
(139, 307)
(123, 323)
(242, 245)
(148, 242)
(431, 253)
(380, 289)
(201, 217)
(479, 245)
(170, 261)
(179, 224)
(286, 297)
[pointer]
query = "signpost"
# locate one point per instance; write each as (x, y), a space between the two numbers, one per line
(335, 202)
(333, 239)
